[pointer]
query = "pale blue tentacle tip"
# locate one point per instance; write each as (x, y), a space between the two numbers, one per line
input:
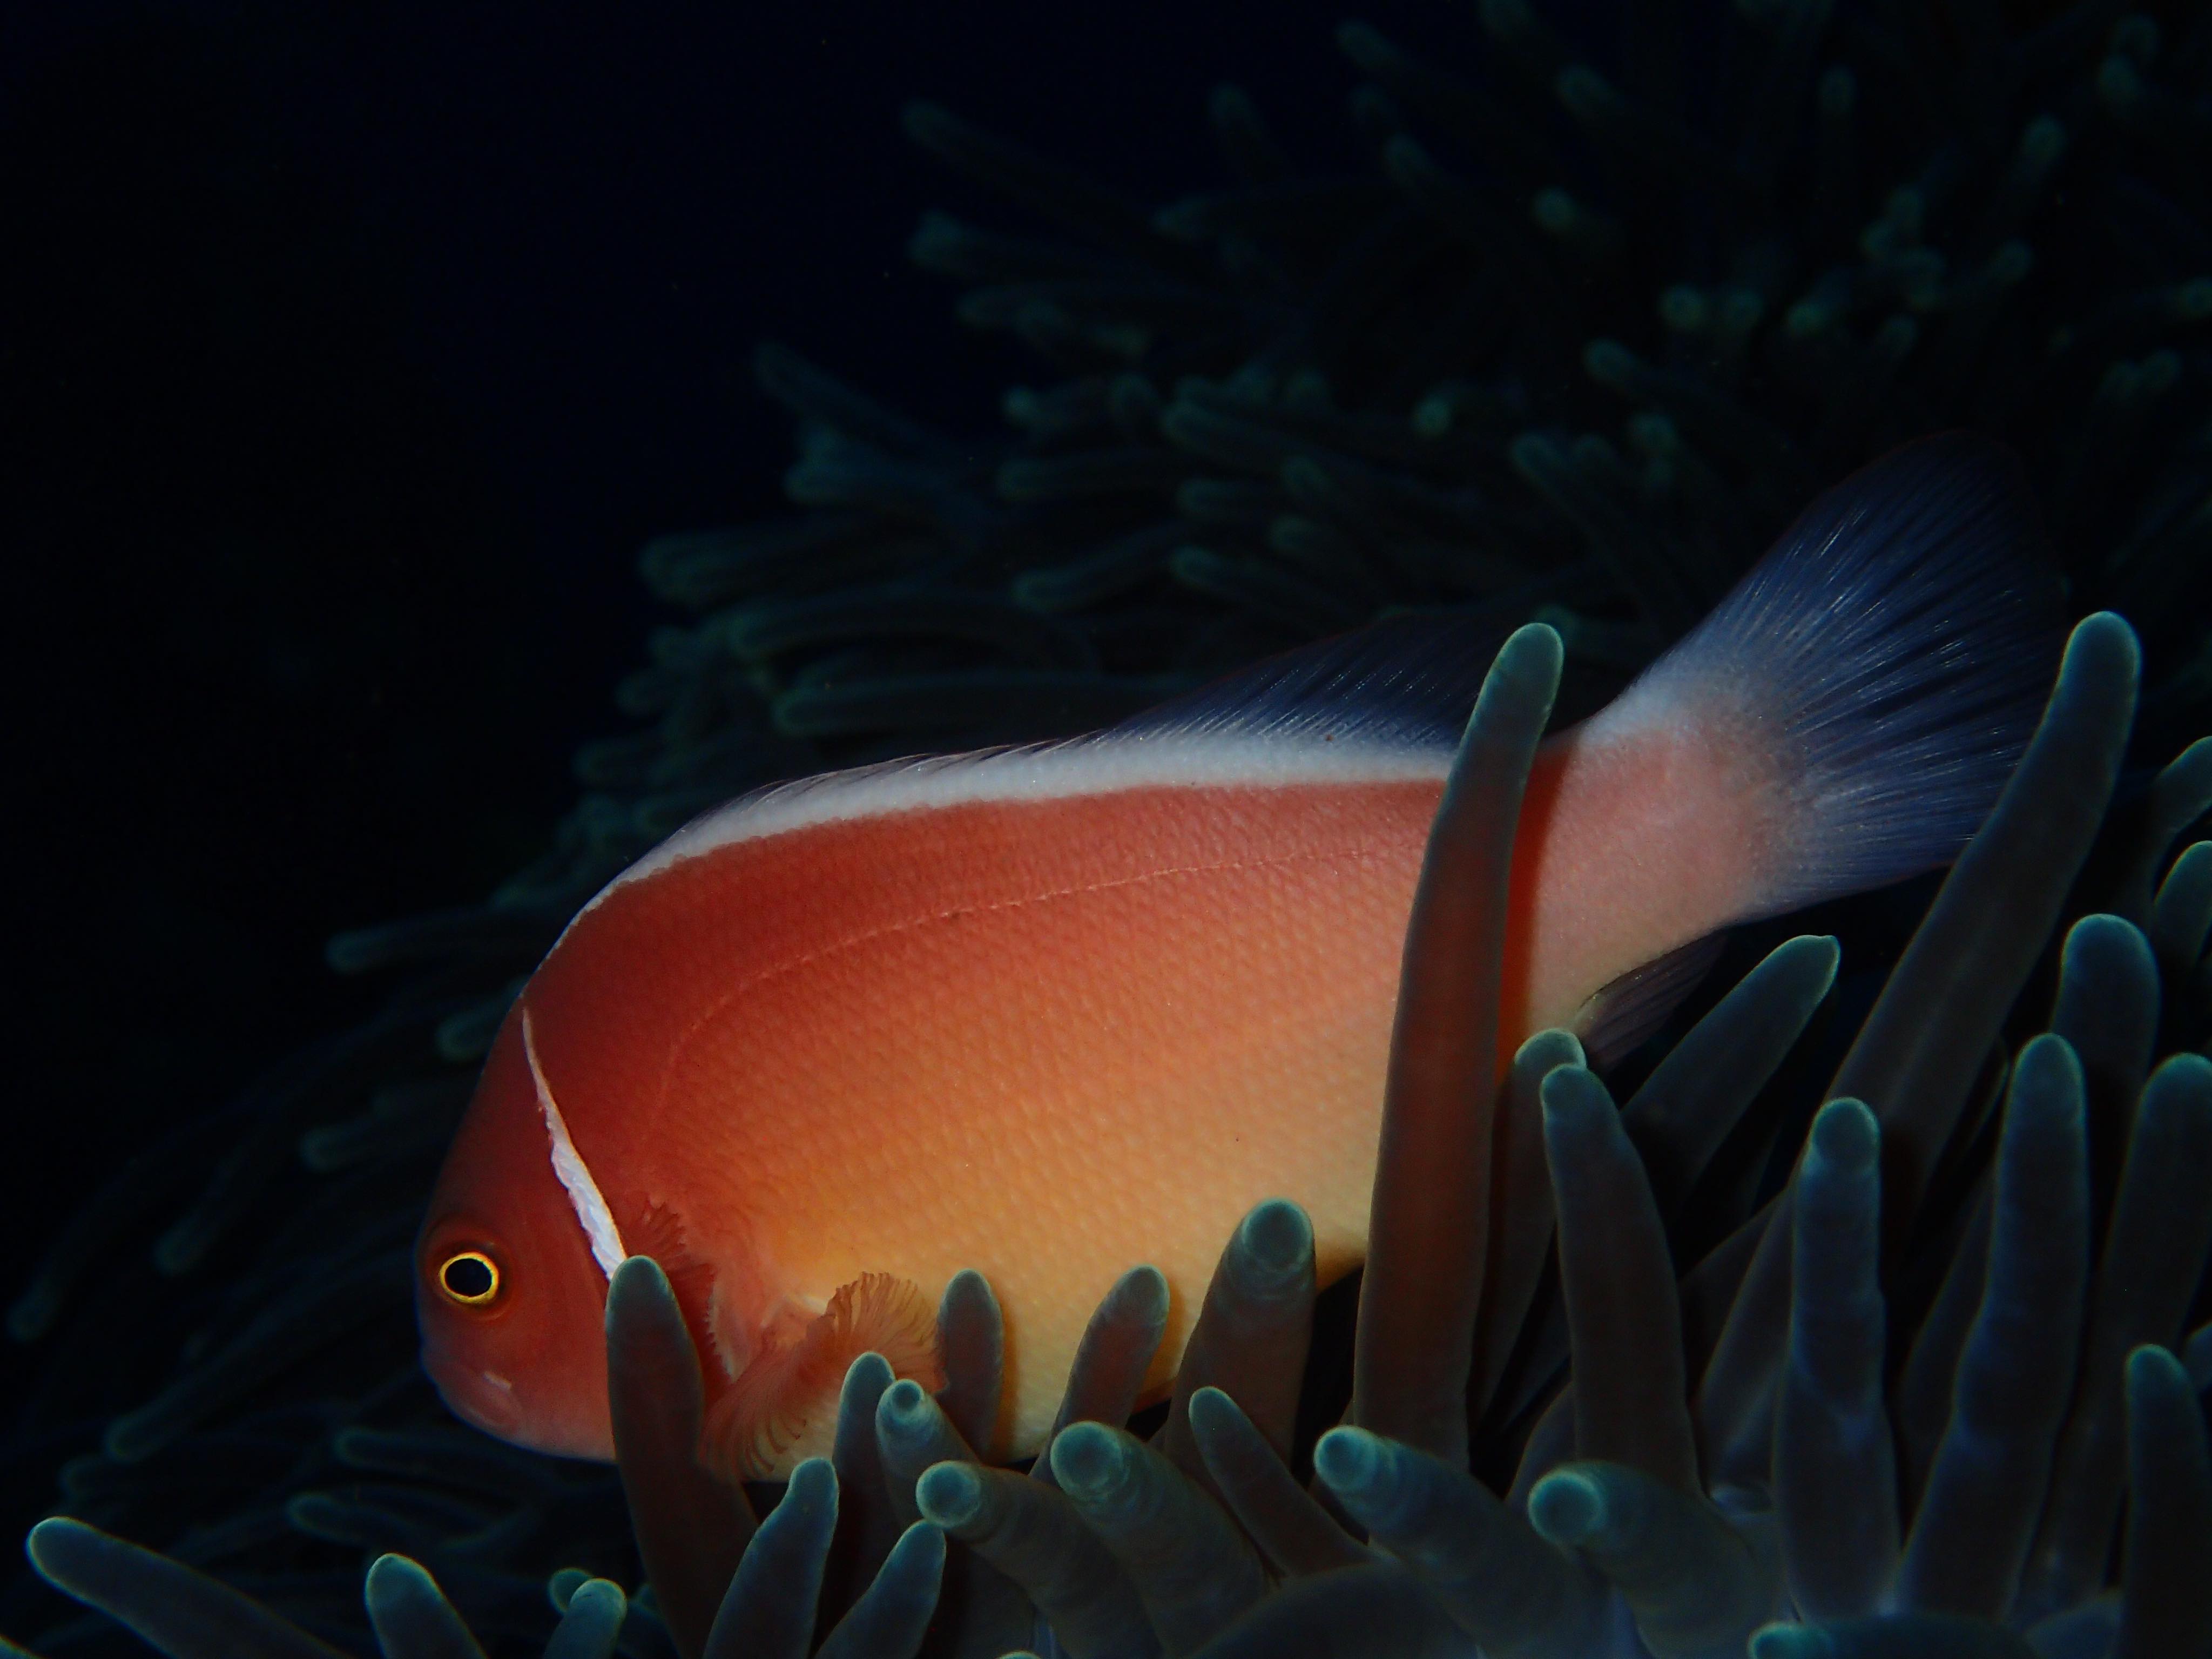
(1276, 1236)
(950, 1494)
(1351, 1460)
(1790, 1641)
(1566, 1508)
(1847, 1135)
(1089, 1460)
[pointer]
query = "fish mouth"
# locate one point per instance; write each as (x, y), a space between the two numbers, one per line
(482, 1399)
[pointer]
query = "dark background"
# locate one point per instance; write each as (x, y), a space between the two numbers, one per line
(347, 356)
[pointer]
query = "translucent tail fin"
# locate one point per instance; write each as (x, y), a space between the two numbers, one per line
(1893, 653)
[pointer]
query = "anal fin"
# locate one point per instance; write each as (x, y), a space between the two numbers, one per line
(782, 1408)
(1621, 1015)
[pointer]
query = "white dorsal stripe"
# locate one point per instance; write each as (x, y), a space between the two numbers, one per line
(1039, 772)
(568, 1167)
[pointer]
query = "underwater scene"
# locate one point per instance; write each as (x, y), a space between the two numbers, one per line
(1114, 832)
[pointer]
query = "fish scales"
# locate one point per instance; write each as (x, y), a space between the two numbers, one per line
(922, 1031)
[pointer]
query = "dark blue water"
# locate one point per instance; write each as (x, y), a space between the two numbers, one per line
(350, 353)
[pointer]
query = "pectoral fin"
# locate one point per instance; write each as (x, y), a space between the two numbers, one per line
(782, 1407)
(660, 1234)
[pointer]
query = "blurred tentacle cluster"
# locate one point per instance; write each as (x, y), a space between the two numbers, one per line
(1578, 335)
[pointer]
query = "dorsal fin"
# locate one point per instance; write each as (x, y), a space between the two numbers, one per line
(1408, 680)
(1385, 703)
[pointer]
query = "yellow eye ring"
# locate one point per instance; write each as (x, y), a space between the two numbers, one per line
(469, 1277)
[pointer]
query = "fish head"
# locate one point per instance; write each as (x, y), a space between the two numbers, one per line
(509, 1299)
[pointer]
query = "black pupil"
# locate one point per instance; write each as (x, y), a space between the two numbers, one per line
(468, 1277)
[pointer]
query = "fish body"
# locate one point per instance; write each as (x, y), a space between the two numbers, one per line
(1047, 1013)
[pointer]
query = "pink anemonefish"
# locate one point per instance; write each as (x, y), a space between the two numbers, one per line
(1051, 1011)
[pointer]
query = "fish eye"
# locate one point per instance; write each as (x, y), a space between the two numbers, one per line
(470, 1278)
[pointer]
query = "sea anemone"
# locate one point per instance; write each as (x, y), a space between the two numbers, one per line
(1709, 1513)
(1572, 350)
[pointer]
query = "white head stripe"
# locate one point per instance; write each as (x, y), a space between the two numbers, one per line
(592, 1213)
